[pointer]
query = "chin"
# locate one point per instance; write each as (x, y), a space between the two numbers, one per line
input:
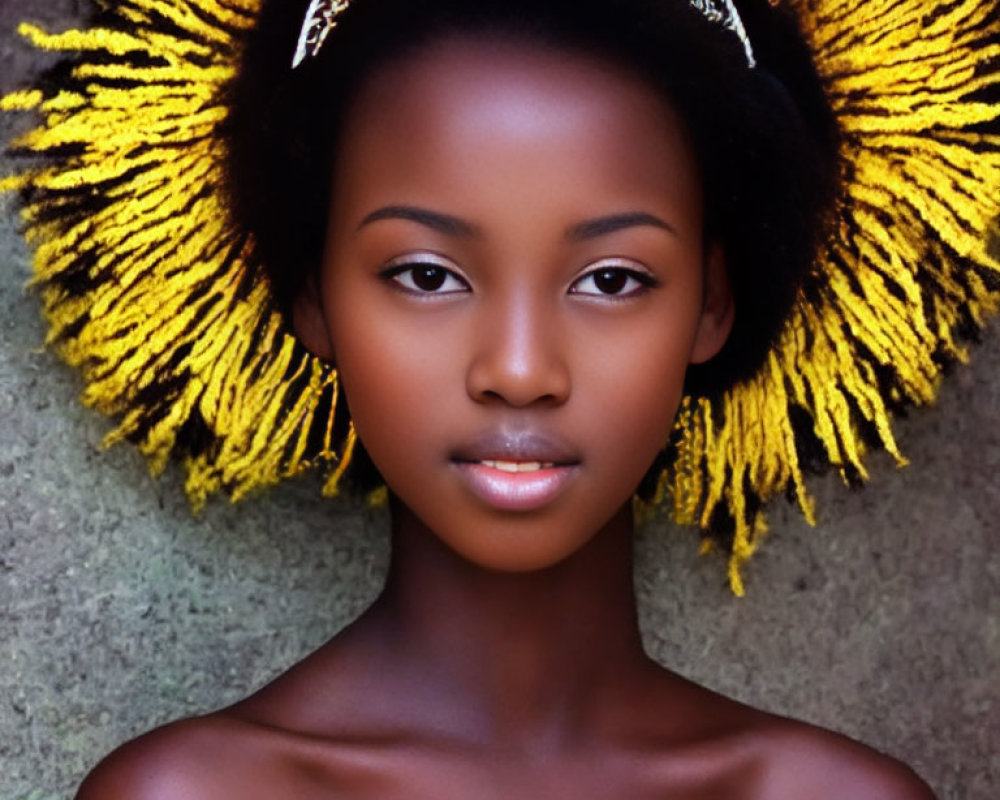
(522, 546)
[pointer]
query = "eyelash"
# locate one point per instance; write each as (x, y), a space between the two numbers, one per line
(408, 265)
(619, 267)
(396, 269)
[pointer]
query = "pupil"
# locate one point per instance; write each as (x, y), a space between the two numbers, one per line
(429, 279)
(610, 281)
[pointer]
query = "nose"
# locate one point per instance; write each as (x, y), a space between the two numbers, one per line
(518, 356)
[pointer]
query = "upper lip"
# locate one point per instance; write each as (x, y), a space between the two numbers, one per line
(518, 445)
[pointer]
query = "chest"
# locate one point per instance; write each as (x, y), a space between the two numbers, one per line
(407, 773)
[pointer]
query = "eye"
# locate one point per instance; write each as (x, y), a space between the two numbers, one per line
(614, 279)
(425, 274)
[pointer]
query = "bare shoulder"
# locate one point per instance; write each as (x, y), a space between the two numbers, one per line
(724, 748)
(197, 759)
(804, 761)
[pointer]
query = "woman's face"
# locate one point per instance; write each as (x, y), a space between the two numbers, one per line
(514, 284)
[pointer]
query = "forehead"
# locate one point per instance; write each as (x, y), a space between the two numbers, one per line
(471, 116)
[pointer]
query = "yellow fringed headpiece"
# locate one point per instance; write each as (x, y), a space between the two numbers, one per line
(148, 287)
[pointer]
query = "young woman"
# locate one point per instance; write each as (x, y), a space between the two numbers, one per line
(522, 233)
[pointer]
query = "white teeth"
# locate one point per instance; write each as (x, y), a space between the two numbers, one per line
(517, 466)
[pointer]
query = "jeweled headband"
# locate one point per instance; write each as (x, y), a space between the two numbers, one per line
(321, 18)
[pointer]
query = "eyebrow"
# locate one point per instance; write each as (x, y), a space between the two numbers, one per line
(602, 226)
(444, 223)
(455, 226)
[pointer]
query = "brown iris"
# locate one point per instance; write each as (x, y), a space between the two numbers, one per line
(610, 281)
(429, 278)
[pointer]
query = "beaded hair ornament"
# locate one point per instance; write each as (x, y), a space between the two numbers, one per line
(321, 19)
(149, 285)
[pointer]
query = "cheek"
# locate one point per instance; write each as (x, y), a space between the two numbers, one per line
(396, 391)
(637, 417)
(637, 382)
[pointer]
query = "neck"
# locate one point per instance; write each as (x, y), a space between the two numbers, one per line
(524, 656)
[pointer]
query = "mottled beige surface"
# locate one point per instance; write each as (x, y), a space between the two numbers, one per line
(119, 610)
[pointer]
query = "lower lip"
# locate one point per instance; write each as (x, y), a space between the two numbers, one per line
(515, 491)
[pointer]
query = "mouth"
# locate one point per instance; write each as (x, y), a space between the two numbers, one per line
(517, 471)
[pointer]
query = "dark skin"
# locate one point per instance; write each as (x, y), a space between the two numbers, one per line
(512, 331)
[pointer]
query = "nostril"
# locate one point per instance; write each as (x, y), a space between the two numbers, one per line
(552, 391)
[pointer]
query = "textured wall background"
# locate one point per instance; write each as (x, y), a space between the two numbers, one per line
(119, 610)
